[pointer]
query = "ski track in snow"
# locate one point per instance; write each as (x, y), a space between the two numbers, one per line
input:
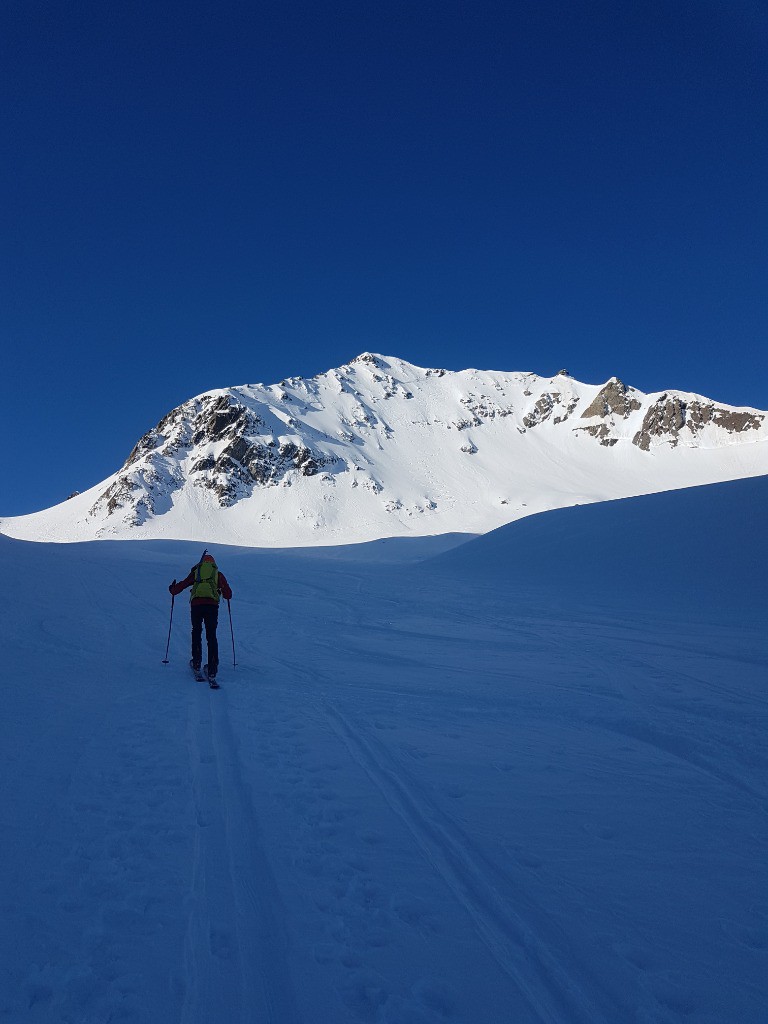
(553, 995)
(235, 952)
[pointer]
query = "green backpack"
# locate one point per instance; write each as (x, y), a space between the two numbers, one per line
(206, 581)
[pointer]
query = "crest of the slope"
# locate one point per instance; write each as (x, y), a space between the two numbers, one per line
(374, 367)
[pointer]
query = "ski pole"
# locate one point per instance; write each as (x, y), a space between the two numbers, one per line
(229, 609)
(170, 624)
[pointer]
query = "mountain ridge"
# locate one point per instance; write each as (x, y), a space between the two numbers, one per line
(379, 447)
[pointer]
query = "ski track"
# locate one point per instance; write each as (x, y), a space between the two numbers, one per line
(516, 943)
(235, 951)
(360, 919)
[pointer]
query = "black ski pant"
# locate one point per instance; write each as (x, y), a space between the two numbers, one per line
(208, 614)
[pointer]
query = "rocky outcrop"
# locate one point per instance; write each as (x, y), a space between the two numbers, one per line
(671, 418)
(547, 404)
(481, 407)
(615, 399)
(602, 433)
(224, 418)
(251, 456)
(243, 465)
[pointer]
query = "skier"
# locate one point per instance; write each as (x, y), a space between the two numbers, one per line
(207, 585)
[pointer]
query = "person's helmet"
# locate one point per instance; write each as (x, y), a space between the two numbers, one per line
(208, 558)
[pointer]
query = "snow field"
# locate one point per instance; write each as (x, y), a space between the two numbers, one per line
(468, 790)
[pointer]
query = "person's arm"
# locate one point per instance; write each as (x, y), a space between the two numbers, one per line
(176, 588)
(224, 587)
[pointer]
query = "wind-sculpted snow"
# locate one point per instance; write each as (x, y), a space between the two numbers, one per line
(381, 448)
(500, 785)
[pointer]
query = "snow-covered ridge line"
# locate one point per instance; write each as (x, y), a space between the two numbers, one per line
(379, 447)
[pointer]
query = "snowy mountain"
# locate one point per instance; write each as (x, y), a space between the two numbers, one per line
(381, 448)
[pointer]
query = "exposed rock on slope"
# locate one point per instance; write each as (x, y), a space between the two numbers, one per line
(614, 399)
(671, 414)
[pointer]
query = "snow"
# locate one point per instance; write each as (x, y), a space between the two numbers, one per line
(401, 451)
(519, 781)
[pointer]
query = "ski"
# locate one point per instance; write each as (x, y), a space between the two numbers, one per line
(196, 673)
(211, 682)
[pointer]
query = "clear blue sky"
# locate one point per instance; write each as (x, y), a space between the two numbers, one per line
(198, 195)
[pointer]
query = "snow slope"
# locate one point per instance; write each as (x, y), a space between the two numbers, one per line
(496, 787)
(382, 448)
(703, 546)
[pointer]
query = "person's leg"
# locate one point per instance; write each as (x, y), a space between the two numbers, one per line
(197, 634)
(211, 621)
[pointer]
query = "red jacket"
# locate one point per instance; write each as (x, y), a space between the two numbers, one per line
(224, 588)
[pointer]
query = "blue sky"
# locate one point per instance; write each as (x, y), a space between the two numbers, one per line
(200, 195)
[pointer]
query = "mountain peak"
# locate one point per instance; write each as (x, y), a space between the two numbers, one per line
(379, 447)
(371, 359)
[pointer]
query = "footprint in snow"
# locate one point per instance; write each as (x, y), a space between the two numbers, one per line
(414, 911)
(365, 994)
